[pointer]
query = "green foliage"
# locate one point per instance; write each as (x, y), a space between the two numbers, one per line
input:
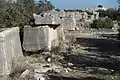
(14, 14)
(19, 13)
(44, 5)
(111, 13)
(102, 23)
(102, 13)
(118, 2)
(118, 14)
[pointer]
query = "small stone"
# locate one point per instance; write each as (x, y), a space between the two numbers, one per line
(57, 70)
(112, 70)
(25, 73)
(112, 78)
(49, 60)
(70, 64)
(42, 78)
(66, 71)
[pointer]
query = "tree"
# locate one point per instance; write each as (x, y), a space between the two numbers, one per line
(6, 15)
(111, 13)
(102, 13)
(44, 5)
(21, 12)
(16, 14)
(28, 6)
(118, 2)
(2, 3)
(118, 15)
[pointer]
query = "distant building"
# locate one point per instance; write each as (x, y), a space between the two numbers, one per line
(99, 7)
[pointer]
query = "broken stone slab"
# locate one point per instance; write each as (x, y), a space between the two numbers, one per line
(10, 47)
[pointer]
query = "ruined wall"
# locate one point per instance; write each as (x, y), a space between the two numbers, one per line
(10, 47)
(39, 38)
(69, 20)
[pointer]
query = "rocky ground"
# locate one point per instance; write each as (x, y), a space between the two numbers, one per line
(89, 55)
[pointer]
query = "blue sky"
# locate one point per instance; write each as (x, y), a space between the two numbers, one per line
(72, 4)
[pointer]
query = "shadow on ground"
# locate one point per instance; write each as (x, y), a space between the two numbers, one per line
(91, 60)
(105, 54)
(52, 77)
(112, 36)
(105, 46)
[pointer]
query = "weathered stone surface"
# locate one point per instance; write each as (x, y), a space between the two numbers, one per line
(39, 38)
(69, 22)
(68, 19)
(46, 19)
(60, 32)
(42, 19)
(10, 47)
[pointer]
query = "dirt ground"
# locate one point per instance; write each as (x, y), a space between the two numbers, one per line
(88, 55)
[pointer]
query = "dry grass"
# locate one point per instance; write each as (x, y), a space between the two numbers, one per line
(35, 58)
(56, 49)
(18, 67)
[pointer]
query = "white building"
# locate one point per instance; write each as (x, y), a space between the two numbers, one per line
(93, 9)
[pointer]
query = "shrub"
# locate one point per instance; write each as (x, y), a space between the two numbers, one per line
(102, 23)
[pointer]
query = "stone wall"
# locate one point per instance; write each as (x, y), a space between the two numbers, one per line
(39, 38)
(10, 47)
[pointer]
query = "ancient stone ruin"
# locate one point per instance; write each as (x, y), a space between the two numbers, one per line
(10, 47)
(41, 38)
(50, 28)
(70, 20)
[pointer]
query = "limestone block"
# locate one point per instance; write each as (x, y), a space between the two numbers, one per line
(69, 22)
(42, 19)
(38, 38)
(10, 47)
(60, 32)
(46, 19)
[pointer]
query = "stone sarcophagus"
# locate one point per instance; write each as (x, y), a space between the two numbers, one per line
(10, 47)
(39, 38)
